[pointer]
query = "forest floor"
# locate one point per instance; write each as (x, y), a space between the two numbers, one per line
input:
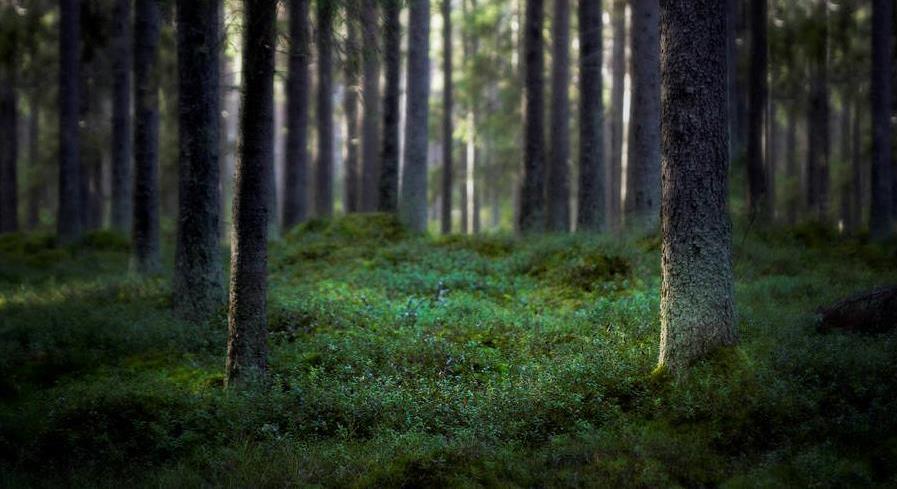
(485, 361)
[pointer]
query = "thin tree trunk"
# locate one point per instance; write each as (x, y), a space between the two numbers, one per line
(844, 189)
(465, 207)
(532, 198)
(447, 107)
(792, 170)
(247, 339)
(858, 170)
(122, 184)
(759, 207)
(324, 170)
(35, 185)
(591, 212)
(388, 194)
(350, 109)
(370, 137)
(643, 161)
(198, 286)
(558, 189)
(296, 172)
(697, 291)
(618, 80)
(881, 223)
(68, 218)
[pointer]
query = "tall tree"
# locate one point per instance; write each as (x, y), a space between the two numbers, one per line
(618, 72)
(591, 213)
(350, 108)
(324, 171)
(387, 200)
(643, 160)
(247, 337)
(68, 218)
(818, 116)
(880, 216)
(558, 218)
(532, 194)
(370, 130)
(759, 205)
(697, 293)
(122, 184)
(36, 189)
(198, 286)
(9, 122)
(146, 136)
(447, 108)
(296, 199)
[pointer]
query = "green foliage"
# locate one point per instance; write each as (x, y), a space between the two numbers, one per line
(486, 361)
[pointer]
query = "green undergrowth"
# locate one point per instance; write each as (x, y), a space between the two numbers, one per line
(407, 361)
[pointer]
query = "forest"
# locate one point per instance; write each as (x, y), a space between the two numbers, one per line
(448, 243)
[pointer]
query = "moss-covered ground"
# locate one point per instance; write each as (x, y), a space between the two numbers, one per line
(401, 361)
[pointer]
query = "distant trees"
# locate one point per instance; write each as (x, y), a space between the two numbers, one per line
(881, 223)
(68, 218)
(296, 198)
(697, 310)
(532, 194)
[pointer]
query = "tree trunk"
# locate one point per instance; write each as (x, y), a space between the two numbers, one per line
(759, 207)
(818, 125)
(247, 339)
(732, 74)
(857, 166)
(197, 284)
(591, 212)
(68, 219)
(697, 292)
(447, 107)
(146, 137)
(792, 170)
(9, 137)
(350, 109)
(324, 170)
(296, 199)
(618, 73)
(413, 205)
(532, 198)
(881, 223)
(122, 211)
(36, 187)
(388, 194)
(643, 161)
(370, 137)
(558, 168)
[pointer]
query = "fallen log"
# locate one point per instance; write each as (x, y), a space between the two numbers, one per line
(869, 312)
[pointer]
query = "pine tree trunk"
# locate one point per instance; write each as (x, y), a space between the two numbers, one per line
(296, 198)
(9, 136)
(697, 292)
(558, 219)
(197, 284)
(122, 183)
(247, 339)
(146, 137)
(881, 223)
(388, 186)
(591, 212)
(324, 169)
(532, 194)
(350, 109)
(759, 207)
(643, 161)
(413, 204)
(618, 73)
(732, 74)
(370, 137)
(818, 125)
(68, 218)
(447, 108)
(36, 188)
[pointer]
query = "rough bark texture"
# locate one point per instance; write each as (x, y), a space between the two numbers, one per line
(558, 166)
(447, 108)
(880, 216)
(198, 286)
(370, 130)
(732, 74)
(618, 72)
(350, 109)
(387, 200)
(868, 312)
(296, 195)
(697, 294)
(759, 206)
(68, 218)
(247, 338)
(643, 161)
(9, 140)
(146, 137)
(122, 210)
(532, 194)
(324, 169)
(413, 204)
(591, 214)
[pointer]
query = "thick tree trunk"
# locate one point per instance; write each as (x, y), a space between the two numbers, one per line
(447, 108)
(370, 137)
(247, 339)
(146, 137)
(324, 170)
(759, 206)
(350, 109)
(388, 194)
(558, 166)
(643, 161)
(122, 184)
(68, 218)
(618, 80)
(881, 223)
(732, 74)
(9, 141)
(532, 194)
(413, 205)
(697, 293)
(296, 194)
(591, 213)
(197, 284)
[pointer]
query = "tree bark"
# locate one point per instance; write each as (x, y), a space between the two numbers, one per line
(296, 194)
(818, 124)
(122, 183)
(643, 161)
(532, 198)
(413, 205)
(591, 212)
(146, 137)
(9, 136)
(881, 225)
(792, 170)
(697, 293)
(387, 200)
(558, 167)
(247, 339)
(350, 109)
(759, 207)
(197, 284)
(370, 137)
(447, 108)
(618, 73)
(68, 218)
(36, 188)
(324, 170)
